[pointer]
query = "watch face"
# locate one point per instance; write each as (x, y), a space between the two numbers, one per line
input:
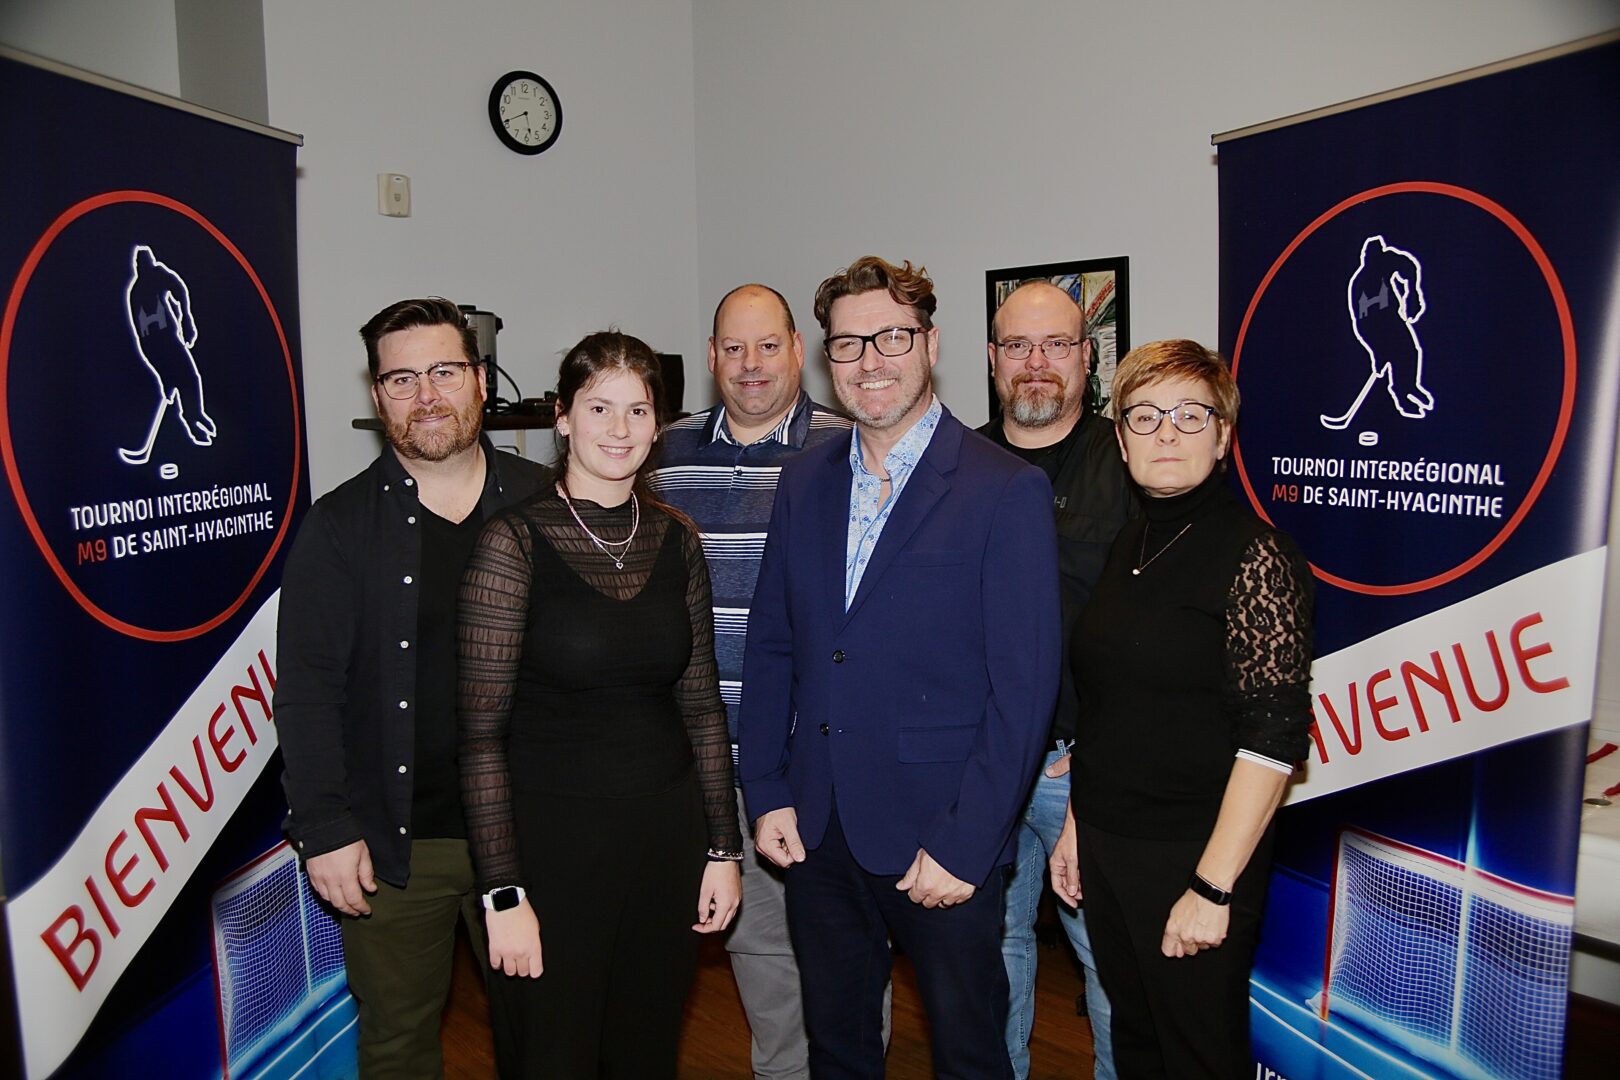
(524, 111)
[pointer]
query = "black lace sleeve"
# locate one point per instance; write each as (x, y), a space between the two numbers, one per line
(698, 695)
(1269, 645)
(493, 615)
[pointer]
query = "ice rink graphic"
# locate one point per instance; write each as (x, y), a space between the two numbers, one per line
(1445, 961)
(284, 1002)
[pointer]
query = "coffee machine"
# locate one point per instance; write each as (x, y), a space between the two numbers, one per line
(486, 324)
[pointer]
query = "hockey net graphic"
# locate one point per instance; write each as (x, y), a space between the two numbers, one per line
(1453, 964)
(277, 956)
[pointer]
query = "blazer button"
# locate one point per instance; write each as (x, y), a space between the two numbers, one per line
(824, 729)
(838, 656)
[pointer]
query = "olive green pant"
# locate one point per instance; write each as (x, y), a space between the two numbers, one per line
(399, 960)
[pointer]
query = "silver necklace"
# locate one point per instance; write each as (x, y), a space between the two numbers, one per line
(601, 544)
(1140, 565)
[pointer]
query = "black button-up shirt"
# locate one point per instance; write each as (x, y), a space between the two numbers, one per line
(345, 699)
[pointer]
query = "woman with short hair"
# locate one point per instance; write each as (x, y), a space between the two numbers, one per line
(1192, 661)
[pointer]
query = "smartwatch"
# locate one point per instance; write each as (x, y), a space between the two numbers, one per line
(504, 899)
(1218, 897)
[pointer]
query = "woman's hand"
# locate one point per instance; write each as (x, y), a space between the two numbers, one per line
(1194, 924)
(514, 940)
(1065, 862)
(718, 896)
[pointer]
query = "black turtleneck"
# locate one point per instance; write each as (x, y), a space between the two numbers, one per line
(1202, 654)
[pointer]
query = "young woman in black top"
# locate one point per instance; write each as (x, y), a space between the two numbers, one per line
(595, 765)
(1192, 661)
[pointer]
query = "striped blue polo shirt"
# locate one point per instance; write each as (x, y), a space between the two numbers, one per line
(728, 489)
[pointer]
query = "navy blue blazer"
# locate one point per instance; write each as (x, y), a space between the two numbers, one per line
(925, 705)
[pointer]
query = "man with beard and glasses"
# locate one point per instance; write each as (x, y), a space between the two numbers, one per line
(366, 687)
(1040, 359)
(903, 652)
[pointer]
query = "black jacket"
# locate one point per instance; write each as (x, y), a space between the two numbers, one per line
(346, 680)
(1093, 497)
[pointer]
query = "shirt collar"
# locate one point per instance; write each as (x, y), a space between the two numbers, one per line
(787, 432)
(909, 450)
(394, 471)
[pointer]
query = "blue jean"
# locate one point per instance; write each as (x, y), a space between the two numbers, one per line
(1037, 834)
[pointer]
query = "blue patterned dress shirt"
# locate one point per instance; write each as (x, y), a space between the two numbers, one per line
(868, 513)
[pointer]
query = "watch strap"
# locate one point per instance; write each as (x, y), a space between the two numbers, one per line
(1218, 896)
(504, 898)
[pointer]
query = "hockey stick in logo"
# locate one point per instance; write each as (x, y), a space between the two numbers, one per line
(1339, 423)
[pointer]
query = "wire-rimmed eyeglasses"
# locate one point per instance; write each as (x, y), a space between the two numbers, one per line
(446, 376)
(1022, 348)
(894, 341)
(1188, 417)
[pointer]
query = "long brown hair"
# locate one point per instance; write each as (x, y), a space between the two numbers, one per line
(602, 353)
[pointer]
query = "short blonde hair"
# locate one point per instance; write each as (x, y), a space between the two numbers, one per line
(1177, 358)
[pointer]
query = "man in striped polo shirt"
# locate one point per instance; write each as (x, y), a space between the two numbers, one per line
(720, 467)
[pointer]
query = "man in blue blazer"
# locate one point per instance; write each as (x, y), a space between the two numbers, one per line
(899, 677)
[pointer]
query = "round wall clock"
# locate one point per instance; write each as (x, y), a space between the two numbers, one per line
(525, 112)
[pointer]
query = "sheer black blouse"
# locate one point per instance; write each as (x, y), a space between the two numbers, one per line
(524, 554)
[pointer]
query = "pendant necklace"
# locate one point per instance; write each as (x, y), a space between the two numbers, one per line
(1140, 565)
(601, 544)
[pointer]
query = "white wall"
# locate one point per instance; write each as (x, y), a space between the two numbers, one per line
(221, 44)
(599, 229)
(132, 40)
(970, 136)
(961, 134)
(1606, 709)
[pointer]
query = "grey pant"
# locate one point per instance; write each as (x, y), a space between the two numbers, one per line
(767, 972)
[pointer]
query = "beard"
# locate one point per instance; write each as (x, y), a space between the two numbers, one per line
(914, 383)
(1038, 402)
(440, 442)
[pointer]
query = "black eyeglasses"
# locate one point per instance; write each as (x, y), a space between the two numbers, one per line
(445, 376)
(895, 341)
(1188, 417)
(1022, 348)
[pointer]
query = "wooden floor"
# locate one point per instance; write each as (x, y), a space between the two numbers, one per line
(715, 1043)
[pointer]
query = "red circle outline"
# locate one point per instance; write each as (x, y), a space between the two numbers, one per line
(1566, 406)
(14, 302)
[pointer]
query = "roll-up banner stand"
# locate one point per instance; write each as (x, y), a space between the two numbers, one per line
(1419, 296)
(152, 436)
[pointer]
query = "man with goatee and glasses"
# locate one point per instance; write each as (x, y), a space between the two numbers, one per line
(1040, 359)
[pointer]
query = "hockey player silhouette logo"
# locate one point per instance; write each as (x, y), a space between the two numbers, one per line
(1386, 301)
(164, 329)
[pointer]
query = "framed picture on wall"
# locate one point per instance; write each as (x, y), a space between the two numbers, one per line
(1102, 289)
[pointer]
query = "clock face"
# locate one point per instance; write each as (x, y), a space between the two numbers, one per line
(524, 111)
